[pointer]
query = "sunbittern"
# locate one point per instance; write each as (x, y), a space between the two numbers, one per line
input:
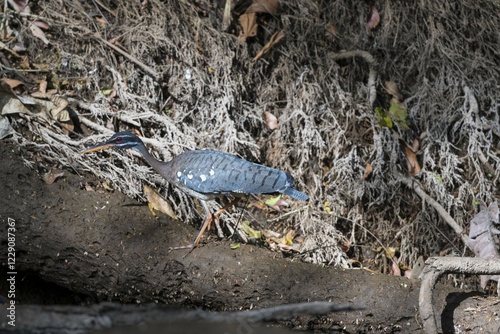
(207, 174)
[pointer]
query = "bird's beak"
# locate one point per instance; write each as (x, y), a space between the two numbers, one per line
(98, 147)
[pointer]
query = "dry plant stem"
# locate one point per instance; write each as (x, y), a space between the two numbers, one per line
(95, 126)
(136, 61)
(437, 266)
(442, 212)
(372, 76)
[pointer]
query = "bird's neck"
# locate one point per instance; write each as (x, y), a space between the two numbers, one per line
(157, 165)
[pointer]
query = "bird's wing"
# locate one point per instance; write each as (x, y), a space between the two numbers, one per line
(215, 172)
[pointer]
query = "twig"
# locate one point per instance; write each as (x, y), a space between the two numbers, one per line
(432, 202)
(136, 61)
(435, 267)
(287, 214)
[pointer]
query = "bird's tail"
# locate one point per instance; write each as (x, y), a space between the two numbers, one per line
(296, 194)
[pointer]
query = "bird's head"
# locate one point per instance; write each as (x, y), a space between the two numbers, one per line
(120, 140)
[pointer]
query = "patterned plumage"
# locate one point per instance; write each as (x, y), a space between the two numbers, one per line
(212, 173)
(206, 174)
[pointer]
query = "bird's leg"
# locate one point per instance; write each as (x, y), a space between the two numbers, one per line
(225, 208)
(208, 221)
(206, 225)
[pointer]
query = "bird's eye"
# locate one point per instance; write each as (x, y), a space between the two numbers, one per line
(118, 140)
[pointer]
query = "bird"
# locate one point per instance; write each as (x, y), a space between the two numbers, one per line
(208, 174)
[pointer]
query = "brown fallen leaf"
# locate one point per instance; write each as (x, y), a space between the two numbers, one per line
(264, 6)
(270, 120)
(88, 187)
(249, 26)
(67, 127)
(41, 24)
(55, 106)
(395, 270)
(51, 176)
(226, 18)
(13, 83)
(156, 202)
(332, 31)
(392, 89)
(38, 33)
(374, 19)
(278, 36)
(42, 86)
(259, 205)
(368, 171)
(411, 159)
(25, 63)
(345, 245)
(20, 5)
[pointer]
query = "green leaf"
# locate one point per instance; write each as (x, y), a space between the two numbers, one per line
(398, 113)
(272, 201)
(439, 178)
(383, 119)
(106, 92)
(255, 234)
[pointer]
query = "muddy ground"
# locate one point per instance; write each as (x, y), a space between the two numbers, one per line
(77, 247)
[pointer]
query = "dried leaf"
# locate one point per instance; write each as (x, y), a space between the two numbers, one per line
(88, 187)
(42, 86)
(374, 18)
(101, 21)
(415, 145)
(264, 6)
(54, 106)
(51, 176)
(259, 205)
(226, 19)
(13, 83)
(67, 127)
(270, 120)
(38, 33)
(411, 159)
(17, 46)
(332, 31)
(156, 202)
(481, 237)
(5, 128)
(278, 36)
(254, 234)
(9, 102)
(345, 245)
(368, 171)
(19, 5)
(41, 24)
(326, 206)
(395, 270)
(249, 26)
(392, 89)
(25, 63)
